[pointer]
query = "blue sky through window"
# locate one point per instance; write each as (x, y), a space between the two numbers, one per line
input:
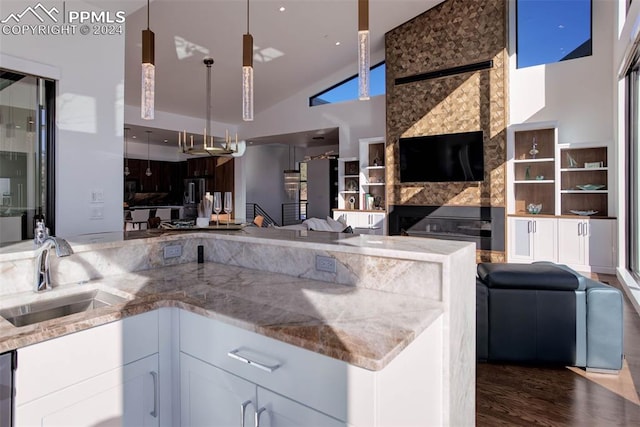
(348, 90)
(552, 30)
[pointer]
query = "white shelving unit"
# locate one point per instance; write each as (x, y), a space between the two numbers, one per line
(553, 175)
(370, 177)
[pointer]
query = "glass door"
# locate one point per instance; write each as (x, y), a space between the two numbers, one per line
(25, 165)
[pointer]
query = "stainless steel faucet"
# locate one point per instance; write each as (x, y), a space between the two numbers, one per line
(43, 276)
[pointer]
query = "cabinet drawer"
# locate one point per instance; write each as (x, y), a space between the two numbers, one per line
(325, 384)
(51, 365)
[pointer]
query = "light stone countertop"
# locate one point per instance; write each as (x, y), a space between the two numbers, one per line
(364, 327)
(416, 248)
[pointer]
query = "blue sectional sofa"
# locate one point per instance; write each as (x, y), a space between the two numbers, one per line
(547, 313)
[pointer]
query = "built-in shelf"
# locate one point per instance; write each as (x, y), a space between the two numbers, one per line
(373, 183)
(583, 169)
(544, 160)
(375, 167)
(526, 188)
(348, 192)
(351, 176)
(584, 191)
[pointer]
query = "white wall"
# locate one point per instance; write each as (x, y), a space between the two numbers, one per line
(263, 165)
(355, 119)
(318, 187)
(90, 91)
(578, 93)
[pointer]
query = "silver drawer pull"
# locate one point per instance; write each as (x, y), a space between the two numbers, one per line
(258, 414)
(243, 410)
(154, 413)
(248, 358)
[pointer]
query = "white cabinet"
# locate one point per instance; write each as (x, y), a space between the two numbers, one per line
(212, 397)
(298, 387)
(587, 244)
(123, 396)
(215, 398)
(532, 239)
(107, 375)
(584, 244)
(363, 222)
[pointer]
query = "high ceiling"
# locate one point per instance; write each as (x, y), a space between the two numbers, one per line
(292, 48)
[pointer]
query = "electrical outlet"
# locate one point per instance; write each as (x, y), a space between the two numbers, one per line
(172, 251)
(325, 263)
(96, 212)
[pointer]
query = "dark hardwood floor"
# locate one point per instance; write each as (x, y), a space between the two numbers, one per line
(512, 395)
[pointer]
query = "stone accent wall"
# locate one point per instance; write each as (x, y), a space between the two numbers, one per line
(455, 33)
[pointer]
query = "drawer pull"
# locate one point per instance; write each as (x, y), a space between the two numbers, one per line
(243, 356)
(154, 413)
(243, 410)
(258, 414)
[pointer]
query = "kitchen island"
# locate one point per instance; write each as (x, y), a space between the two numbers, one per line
(388, 301)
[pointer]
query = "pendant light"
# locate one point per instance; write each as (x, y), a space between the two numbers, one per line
(292, 178)
(247, 73)
(148, 72)
(364, 57)
(148, 172)
(126, 160)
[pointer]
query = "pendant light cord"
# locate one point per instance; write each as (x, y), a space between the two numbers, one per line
(247, 16)
(147, 14)
(148, 159)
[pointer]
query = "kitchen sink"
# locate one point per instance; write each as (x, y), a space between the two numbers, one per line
(40, 311)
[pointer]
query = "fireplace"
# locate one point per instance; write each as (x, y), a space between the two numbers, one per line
(482, 225)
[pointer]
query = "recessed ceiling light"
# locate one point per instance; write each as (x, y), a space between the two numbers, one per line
(166, 140)
(337, 43)
(282, 9)
(134, 137)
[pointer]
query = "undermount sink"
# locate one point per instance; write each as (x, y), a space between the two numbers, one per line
(40, 311)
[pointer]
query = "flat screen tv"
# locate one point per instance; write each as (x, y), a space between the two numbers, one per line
(442, 158)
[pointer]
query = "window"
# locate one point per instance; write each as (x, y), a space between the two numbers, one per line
(26, 154)
(347, 90)
(633, 174)
(549, 31)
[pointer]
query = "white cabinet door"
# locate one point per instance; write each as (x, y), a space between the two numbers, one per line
(278, 411)
(532, 239)
(211, 397)
(587, 244)
(520, 239)
(545, 231)
(599, 244)
(125, 396)
(571, 241)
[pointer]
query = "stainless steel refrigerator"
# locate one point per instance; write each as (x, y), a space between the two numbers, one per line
(193, 194)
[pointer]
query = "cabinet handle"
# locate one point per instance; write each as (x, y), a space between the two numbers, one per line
(258, 413)
(586, 229)
(579, 229)
(243, 410)
(154, 375)
(235, 354)
(529, 227)
(535, 227)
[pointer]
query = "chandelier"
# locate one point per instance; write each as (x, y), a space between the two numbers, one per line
(186, 145)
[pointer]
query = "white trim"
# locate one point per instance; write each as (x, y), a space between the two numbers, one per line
(29, 67)
(630, 286)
